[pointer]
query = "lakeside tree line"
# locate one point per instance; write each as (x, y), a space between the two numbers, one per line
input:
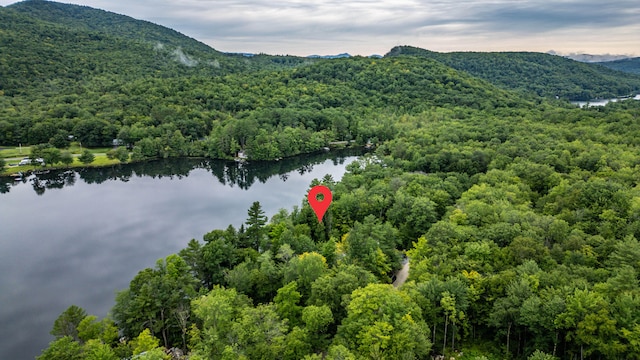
(269, 115)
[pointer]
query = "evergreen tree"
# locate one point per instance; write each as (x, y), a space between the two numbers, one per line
(255, 232)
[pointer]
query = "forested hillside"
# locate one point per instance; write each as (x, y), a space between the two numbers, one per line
(519, 214)
(543, 74)
(626, 65)
(173, 111)
(185, 50)
(84, 18)
(39, 56)
(49, 46)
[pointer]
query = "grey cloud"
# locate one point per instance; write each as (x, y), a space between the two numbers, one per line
(545, 17)
(328, 19)
(309, 24)
(355, 19)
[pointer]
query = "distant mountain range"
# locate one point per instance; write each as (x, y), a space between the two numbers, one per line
(339, 56)
(589, 58)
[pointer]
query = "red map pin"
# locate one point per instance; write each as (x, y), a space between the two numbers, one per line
(319, 206)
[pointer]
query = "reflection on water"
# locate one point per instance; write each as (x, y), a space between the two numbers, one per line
(228, 173)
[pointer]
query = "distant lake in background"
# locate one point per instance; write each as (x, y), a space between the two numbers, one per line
(602, 102)
(77, 237)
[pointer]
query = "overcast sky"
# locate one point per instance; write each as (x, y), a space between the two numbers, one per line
(365, 27)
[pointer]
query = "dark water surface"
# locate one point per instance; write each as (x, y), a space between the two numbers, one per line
(78, 237)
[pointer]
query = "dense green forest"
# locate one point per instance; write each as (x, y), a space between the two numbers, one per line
(519, 213)
(167, 109)
(543, 74)
(521, 229)
(631, 65)
(65, 72)
(80, 42)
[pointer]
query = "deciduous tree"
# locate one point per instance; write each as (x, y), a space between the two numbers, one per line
(86, 157)
(384, 323)
(62, 348)
(287, 304)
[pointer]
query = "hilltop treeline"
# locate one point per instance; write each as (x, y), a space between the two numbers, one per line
(543, 74)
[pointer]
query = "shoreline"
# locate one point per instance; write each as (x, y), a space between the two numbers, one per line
(101, 161)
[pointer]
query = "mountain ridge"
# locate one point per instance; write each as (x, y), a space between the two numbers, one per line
(138, 41)
(93, 19)
(47, 41)
(79, 42)
(630, 65)
(543, 74)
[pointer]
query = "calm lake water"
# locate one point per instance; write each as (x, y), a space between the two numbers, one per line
(602, 102)
(78, 237)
